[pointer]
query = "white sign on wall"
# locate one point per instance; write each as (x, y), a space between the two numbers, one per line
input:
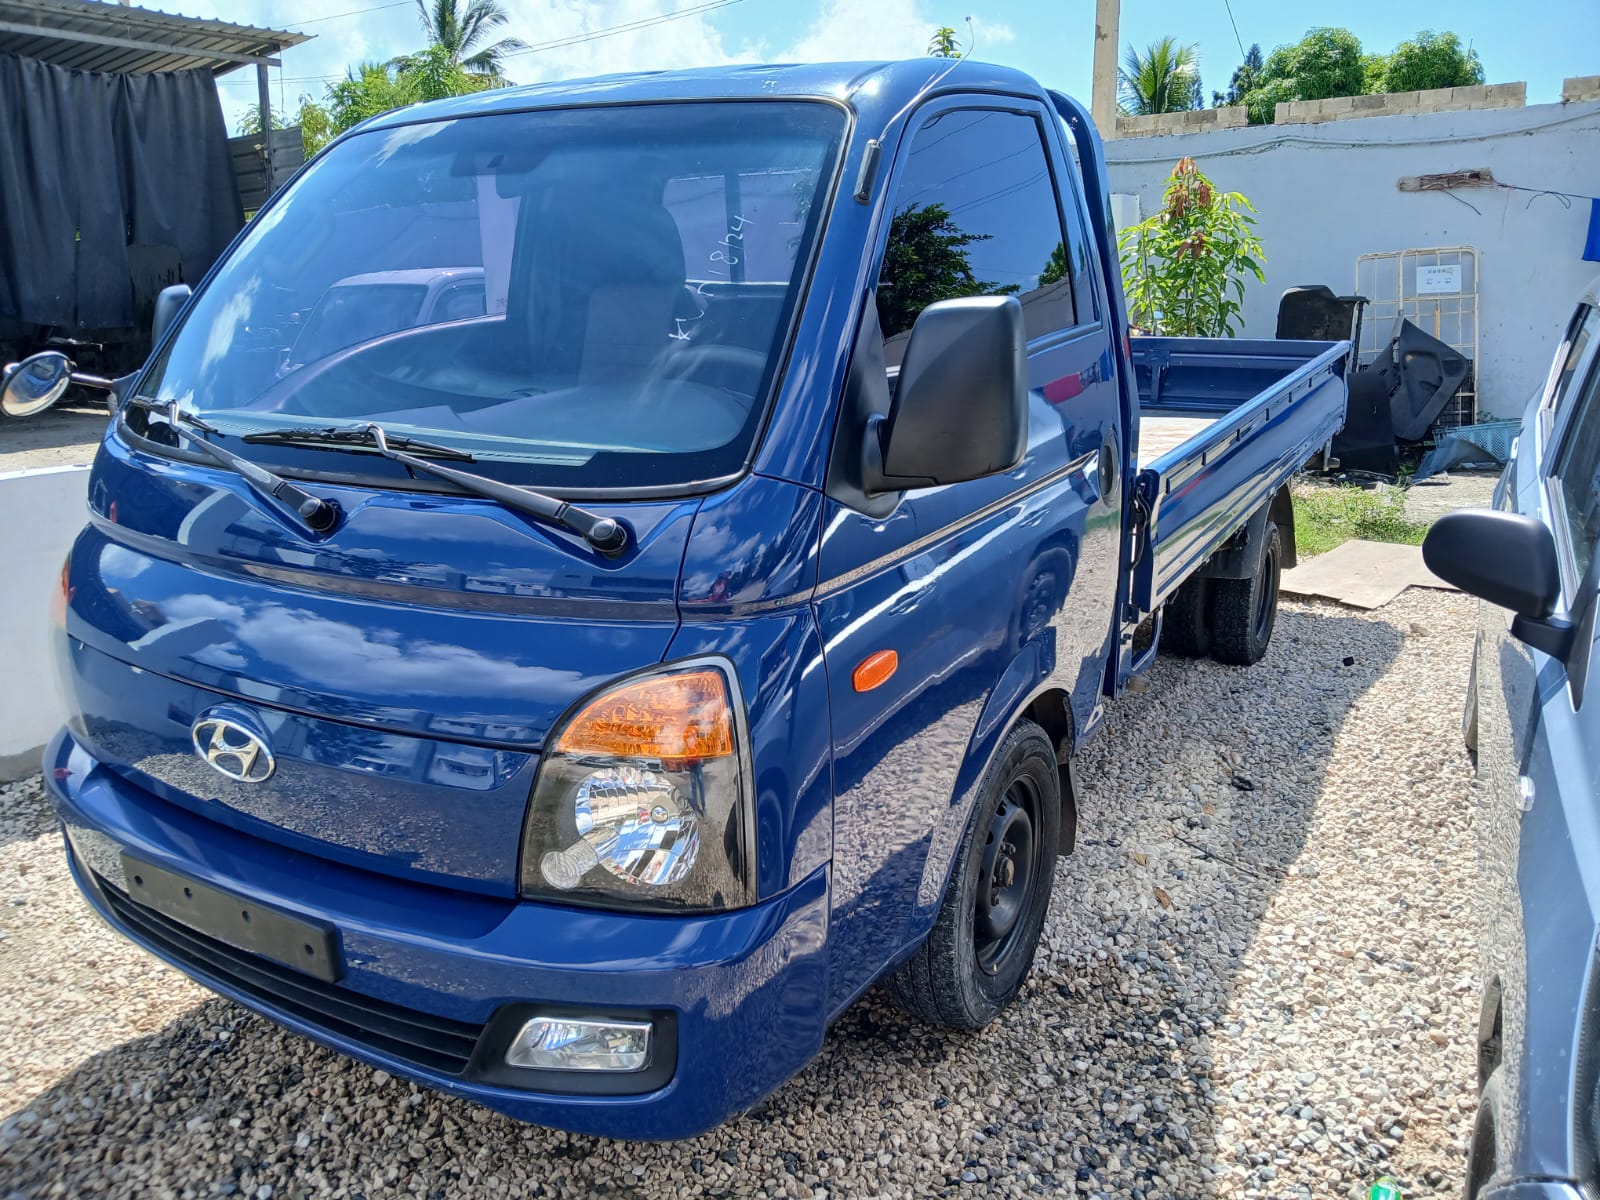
(1433, 281)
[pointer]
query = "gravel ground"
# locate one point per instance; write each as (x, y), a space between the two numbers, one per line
(1257, 981)
(1432, 498)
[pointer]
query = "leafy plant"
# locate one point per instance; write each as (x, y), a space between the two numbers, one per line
(1165, 78)
(1184, 267)
(943, 43)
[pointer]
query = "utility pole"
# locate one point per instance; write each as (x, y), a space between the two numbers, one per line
(1103, 100)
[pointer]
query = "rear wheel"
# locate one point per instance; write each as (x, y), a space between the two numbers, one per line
(1243, 611)
(982, 943)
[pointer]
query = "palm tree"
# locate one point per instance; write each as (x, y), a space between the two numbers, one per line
(460, 29)
(1165, 78)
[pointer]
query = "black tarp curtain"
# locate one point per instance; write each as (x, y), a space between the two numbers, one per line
(91, 163)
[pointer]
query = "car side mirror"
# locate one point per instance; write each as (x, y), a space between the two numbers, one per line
(35, 383)
(38, 381)
(960, 410)
(169, 303)
(1509, 560)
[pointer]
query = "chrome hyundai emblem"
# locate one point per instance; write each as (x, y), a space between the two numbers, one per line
(232, 750)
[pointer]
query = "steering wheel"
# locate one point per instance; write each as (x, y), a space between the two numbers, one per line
(714, 365)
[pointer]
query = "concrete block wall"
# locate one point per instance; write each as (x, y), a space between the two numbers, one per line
(1581, 87)
(1456, 99)
(1197, 121)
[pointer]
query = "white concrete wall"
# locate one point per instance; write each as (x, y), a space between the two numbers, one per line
(1328, 193)
(41, 512)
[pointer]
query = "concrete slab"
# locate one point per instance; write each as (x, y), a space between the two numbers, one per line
(1361, 574)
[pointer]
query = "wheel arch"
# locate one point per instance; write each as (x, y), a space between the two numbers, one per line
(1024, 693)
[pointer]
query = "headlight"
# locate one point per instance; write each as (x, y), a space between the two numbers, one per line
(642, 799)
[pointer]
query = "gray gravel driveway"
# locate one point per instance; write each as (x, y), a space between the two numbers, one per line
(1258, 980)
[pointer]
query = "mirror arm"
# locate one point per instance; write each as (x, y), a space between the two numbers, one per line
(873, 481)
(98, 383)
(1550, 635)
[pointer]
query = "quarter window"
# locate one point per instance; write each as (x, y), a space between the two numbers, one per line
(975, 214)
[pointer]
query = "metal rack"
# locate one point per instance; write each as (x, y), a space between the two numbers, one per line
(1436, 290)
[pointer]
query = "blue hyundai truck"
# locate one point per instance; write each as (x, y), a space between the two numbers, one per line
(574, 702)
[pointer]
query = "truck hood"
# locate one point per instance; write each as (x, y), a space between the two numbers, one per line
(403, 673)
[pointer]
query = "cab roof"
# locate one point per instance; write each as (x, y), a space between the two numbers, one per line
(876, 90)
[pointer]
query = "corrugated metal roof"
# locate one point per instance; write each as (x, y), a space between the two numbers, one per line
(94, 36)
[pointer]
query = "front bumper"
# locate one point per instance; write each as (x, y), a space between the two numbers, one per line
(427, 970)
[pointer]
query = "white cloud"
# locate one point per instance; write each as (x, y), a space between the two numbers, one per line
(851, 30)
(839, 30)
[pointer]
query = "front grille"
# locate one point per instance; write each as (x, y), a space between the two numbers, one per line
(435, 1043)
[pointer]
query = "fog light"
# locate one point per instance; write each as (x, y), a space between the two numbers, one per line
(574, 1044)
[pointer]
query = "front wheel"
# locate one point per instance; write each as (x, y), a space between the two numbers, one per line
(1243, 612)
(982, 943)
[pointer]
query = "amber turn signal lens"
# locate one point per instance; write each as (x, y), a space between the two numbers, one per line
(62, 596)
(664, 716)
(874, 669)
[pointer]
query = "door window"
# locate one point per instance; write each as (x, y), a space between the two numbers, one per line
(975, 214)
(1572, 475)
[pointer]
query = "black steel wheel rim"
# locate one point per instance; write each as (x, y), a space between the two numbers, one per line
(1008, 878)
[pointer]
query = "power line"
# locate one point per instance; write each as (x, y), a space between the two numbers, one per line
(628, 27)
(1228, 4)
(358, 12)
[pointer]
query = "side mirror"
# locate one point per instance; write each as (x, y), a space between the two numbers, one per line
(169, 303)
(961, 408)
(35, 383)
(1509, 560)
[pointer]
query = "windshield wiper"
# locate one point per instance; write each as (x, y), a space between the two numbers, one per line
(312, 513)
(360, 435)
(604, 534)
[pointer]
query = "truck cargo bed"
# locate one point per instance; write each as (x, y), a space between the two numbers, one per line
(1224, 423)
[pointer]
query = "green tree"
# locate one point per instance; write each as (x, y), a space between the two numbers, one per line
(926, 261)
(368, 89)
(943, 43)
(1184, 267)
(316, 125)
(1373, 68)
(1165, 78)
(1057, 268)
(1246, 76)
(461, 31)
(250, 123)
(1326, 62)
(1430, 60)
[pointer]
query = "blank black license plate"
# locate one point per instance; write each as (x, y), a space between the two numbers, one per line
(306, 946)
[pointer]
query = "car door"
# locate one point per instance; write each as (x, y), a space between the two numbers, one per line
(967, 584)
(1538, 807)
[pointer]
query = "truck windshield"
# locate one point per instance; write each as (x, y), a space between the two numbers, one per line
(585, 298)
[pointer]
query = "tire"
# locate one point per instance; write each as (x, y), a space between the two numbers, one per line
(1483, 1151)
(982, 944)
(1242, 612)
(1469, 712)
(1185, 625)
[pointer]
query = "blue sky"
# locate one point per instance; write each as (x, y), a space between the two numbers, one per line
(1540, 42)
